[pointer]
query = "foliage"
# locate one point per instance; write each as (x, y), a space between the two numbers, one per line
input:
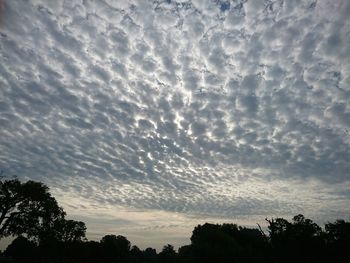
(26, 208)
(299, 240)
(338, 232)
(168, 254)
(227, 243)
(115, 247)
(21, 248)
(29, 209)
(337, 236)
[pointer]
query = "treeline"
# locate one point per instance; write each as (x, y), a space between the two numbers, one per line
(47, 236)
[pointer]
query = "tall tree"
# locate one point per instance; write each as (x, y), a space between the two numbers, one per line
(115, 247)
(337, 236)
(70, 230)
(338, 232)
(26, 208)
(168, 254)
(63, 230)
(296, 241)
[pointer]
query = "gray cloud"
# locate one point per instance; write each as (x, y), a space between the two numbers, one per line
(203, 108)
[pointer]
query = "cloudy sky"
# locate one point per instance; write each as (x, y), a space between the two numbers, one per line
(146, 118)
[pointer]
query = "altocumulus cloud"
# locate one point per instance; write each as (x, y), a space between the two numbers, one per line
(181, 110)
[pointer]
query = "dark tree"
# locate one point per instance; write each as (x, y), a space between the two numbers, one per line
(68, 230)
(211, 244)
(89, 251)
(168, 254)
(29, 209)
(26, 208)
(304, 228)
(185, 254)
(337, 236)
(227, 243)
(115, 248)
(338, 232)
(21, 249)
(150, 255)
(135, 255)
(299, 240)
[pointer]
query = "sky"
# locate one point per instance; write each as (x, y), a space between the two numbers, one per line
(146, 118)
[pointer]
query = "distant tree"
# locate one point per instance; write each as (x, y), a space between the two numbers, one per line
(185, 254)
(150, 255)
(305, 228)
(278, 229)
(62, 230)
(60, 240)
(135, 255)
(168, 254)
(338, 232)
(299, 240)
(115, 247)
(211, 244)
(337, 236)
(227, 243)
(89, 251)
(69, 230)
(21, 249)
(26, 208)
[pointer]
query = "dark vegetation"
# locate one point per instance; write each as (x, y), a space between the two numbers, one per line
(32, 215)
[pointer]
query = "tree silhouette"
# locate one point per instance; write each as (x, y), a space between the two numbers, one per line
(21, 249)
(186, 254)
(26, 208)
(299, 240)
(115, 248)
(168, 254)
(66, 230)
(338, 232)
(136, 255)
(150, 255)
(338, 240)
(227, 243)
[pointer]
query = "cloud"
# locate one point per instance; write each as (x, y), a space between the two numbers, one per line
(205, 109)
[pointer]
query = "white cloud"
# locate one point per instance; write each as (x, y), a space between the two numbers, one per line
(203, 109)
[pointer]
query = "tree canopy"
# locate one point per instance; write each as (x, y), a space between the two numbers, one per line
(27, 208)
